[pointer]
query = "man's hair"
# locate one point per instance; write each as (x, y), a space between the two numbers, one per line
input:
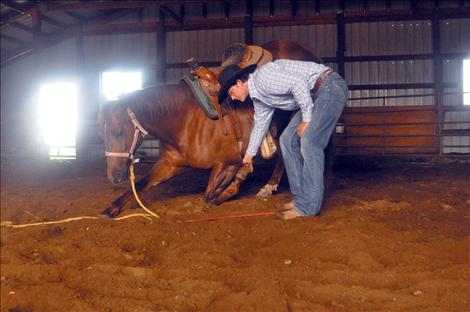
(244, 77)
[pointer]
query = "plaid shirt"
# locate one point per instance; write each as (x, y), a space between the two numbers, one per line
(282, 84)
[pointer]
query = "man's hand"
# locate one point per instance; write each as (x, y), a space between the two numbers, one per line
(248, 161)
(301, 128)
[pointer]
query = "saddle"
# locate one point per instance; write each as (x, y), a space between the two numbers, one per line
(204, 85)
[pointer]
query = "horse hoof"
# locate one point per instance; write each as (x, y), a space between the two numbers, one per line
(266, 191)
(111, 212)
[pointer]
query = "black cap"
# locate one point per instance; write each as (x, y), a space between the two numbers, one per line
(229, 76)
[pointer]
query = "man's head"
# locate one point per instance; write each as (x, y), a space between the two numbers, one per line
(234, 82)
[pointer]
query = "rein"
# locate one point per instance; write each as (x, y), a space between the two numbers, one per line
(138, 130)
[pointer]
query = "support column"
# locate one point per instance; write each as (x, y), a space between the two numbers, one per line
(438, 77)
(248, 22)
(341, 46)
(161, 49)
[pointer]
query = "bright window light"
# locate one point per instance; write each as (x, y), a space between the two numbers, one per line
(466, 82)
(114, 83)
(58, 104)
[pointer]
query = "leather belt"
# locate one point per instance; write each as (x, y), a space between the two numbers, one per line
(320, 79)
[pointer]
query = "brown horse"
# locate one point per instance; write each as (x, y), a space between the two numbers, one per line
(189, 139)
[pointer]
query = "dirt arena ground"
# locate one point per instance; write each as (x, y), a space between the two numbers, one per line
(390, 238)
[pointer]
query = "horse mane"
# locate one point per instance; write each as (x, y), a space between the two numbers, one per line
(152, 102)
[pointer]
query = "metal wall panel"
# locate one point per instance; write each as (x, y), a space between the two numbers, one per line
(205, 45)
(120, 50)
(389, 72)
(388, 38)
(455, 35)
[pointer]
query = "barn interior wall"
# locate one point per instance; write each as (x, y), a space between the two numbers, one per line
(139, 50)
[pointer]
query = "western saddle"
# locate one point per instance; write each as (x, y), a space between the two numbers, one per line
(243, 55)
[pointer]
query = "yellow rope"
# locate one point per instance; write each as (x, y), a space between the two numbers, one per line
(132, 179)
(11, 225)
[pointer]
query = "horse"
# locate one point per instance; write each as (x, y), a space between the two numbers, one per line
(189, 139)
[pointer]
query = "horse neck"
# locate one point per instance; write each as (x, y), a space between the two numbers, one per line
(158, 116)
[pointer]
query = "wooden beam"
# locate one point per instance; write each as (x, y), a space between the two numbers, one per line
(169, 12)
(50, 21)
(365, 6)
(11, 19)
(341, 42)
(413, 6)
(265, 21)
(182, 12)
(56, 37)
(227, 8)
(75, 16)
(161, 48)
(248, 22)
(438, 72)
(204, 10)
(341, 5)
(97, 5)
(293, 8)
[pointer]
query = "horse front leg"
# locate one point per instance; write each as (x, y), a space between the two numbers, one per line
(221, 176)
(160, 172)
(233, 188)
(271, 186)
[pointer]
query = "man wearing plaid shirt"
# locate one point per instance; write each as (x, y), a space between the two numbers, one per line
(319, 95)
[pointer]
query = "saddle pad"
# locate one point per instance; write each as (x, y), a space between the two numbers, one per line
(201, 97)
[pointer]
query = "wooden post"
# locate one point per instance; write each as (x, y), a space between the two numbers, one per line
(438, 78)
(161, 49)
(340, 32)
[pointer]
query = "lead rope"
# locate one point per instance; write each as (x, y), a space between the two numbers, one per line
(132, 180)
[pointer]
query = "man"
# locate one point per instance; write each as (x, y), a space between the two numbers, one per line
(319, 95)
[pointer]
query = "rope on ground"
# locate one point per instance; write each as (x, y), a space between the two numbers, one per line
(147, 215)
(11, 225)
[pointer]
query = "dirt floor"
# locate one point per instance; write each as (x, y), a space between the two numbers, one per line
(390, 238)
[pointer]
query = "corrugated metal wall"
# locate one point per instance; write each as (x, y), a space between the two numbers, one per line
(362, 39)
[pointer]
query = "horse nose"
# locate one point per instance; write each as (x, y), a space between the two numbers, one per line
(118, 177)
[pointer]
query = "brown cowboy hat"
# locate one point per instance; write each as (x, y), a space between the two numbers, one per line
(229, 76)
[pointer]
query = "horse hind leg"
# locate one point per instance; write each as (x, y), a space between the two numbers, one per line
(160, 172)
(271, 186)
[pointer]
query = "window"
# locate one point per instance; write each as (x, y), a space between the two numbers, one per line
(466, 82)
(58, 119)
(115, 83)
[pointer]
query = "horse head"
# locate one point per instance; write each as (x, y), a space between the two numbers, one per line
(122, 135)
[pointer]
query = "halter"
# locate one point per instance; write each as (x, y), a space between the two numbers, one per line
(138, 129)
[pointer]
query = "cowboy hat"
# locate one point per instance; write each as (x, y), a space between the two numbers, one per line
(229, 76)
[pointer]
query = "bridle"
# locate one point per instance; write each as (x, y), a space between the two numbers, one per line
(138, 130)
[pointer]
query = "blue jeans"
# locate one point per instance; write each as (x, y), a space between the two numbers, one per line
(303, 156)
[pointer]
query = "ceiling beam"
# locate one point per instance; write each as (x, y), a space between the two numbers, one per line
(61, 35)
(75, 16)
(96, 5)
(169, 12)
(50, 21)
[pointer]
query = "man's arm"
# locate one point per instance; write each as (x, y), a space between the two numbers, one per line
(262, 118)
